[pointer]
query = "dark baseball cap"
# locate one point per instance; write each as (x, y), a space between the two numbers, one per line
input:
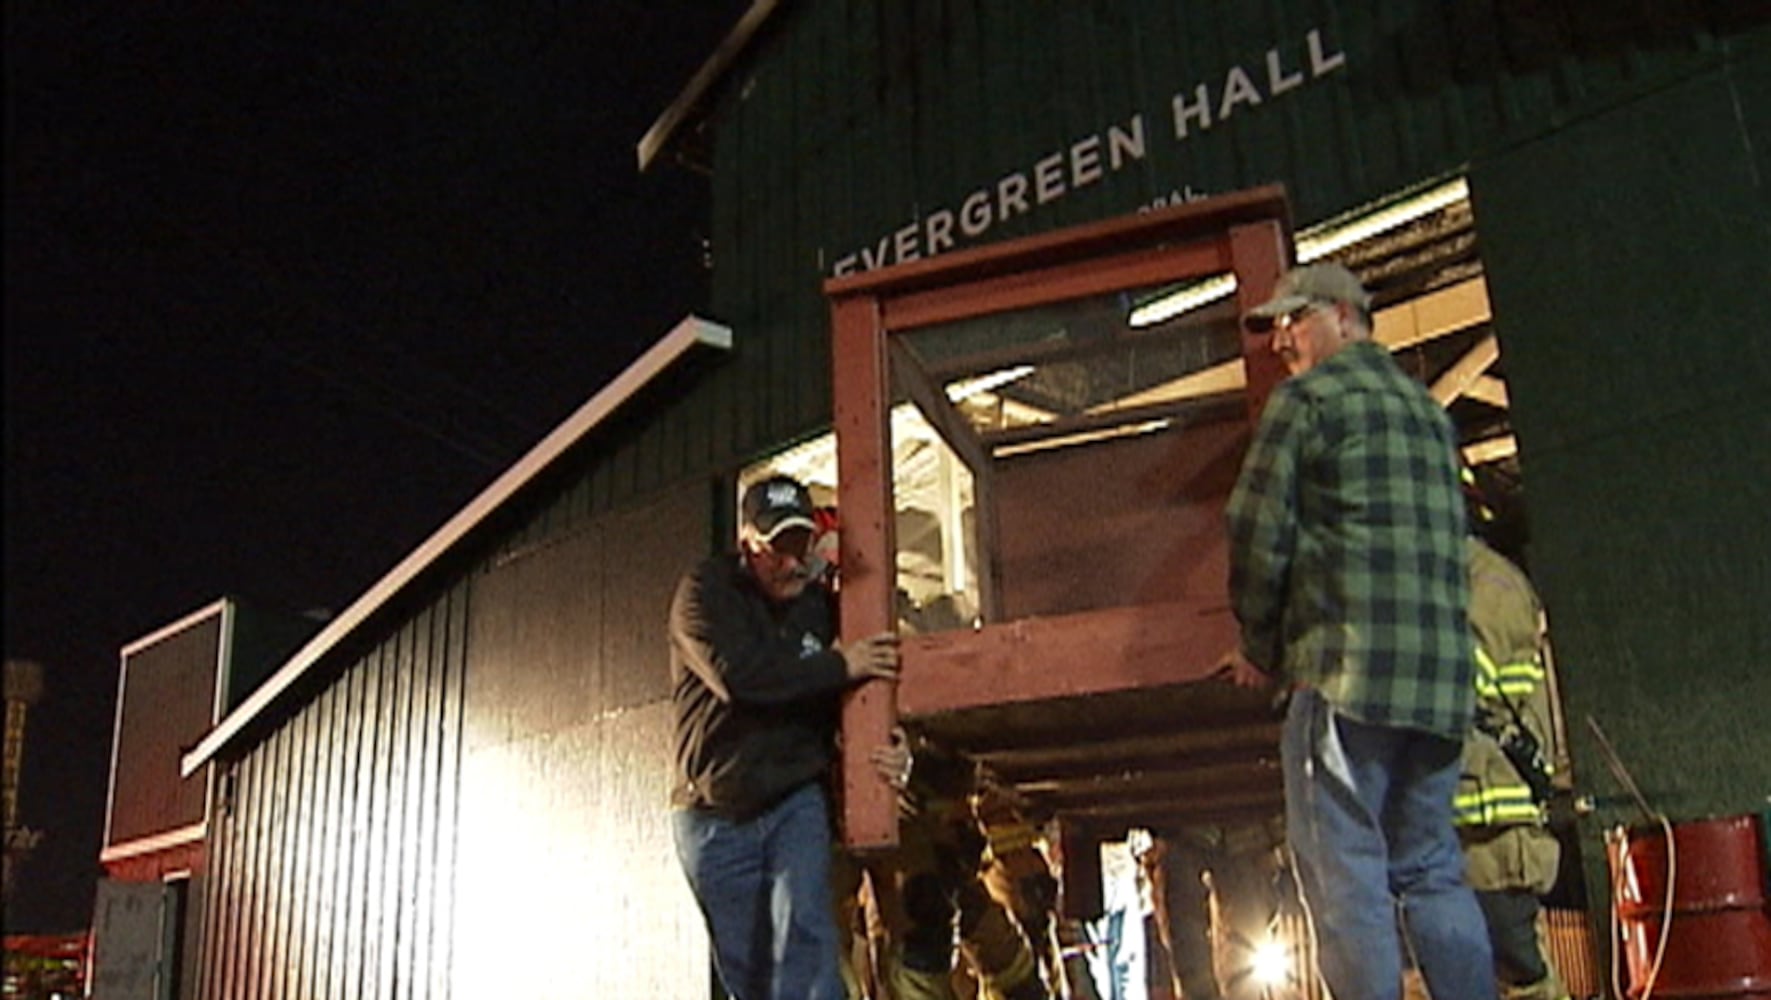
(776, 504)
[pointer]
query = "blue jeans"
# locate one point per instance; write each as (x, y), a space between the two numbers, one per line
(764, 889)
(1368, 818)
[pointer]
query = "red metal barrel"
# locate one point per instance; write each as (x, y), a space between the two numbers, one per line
(1718, 941)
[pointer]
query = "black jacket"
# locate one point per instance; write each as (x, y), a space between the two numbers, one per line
(755, 690)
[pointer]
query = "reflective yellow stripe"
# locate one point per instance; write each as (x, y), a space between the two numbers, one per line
(1515, 680)
(1010, 837)
(1500, 804)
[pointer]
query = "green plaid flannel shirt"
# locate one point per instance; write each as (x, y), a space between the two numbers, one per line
(1347, 562)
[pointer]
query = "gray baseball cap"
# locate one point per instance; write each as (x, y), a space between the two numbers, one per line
(1301, 286)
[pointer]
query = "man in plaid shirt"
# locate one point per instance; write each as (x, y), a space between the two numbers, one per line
(1347, 575)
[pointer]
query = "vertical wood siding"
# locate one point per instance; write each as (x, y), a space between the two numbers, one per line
(566, 852)
(332, 864)
(476, 806)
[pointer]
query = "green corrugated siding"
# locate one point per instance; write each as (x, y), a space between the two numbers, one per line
(854, 118)
(1630, 274)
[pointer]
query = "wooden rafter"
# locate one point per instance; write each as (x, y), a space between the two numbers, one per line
(1491, 449)
(1431, 316)
(1489, 389)
(1457, 379)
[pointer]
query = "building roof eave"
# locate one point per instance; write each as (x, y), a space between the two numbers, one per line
(692, 105)
(693, 332)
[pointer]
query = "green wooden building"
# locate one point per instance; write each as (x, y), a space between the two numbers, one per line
(457, 787)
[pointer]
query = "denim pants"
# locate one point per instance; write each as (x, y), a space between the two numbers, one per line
(1368, 818)
(764, 889)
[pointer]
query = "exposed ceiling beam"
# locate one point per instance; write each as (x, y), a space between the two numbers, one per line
(1489, 389)
(1491, 449)
(1426, 317)
(1456, 380)
(1433, 315)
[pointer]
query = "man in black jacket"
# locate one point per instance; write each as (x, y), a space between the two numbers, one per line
(756, 675)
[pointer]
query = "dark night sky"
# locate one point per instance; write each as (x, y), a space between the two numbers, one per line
(286, 286)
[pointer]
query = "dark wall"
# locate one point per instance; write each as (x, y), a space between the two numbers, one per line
(168, 703)
(566, 854)
(1629, 261)
(261, 642)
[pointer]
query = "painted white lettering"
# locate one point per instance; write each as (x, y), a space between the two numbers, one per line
(1121, 144)
(1174, 197)
(1193, 109)
(974, 213)
(904, 243)
(1085, 162)
(1320, 63)
(1238, 89)
(1199, 110)
(1277, 81)
(875, 256)
(1011, 191)
(938, 231)
(1048, 178)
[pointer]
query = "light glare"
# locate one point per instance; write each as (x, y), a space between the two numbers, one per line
(1270, 964)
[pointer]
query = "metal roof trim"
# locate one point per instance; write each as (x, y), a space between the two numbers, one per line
(692, 332)
(154, 843)
(688, 104)
(164, 632)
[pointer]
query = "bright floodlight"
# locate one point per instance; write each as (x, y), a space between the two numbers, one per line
(1271, 964)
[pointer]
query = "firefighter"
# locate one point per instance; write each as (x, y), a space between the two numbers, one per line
(1018, 876)
(1511, 857)
(930, 893)
(966, 862)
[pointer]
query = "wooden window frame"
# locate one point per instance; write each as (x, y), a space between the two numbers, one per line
(1247, 233)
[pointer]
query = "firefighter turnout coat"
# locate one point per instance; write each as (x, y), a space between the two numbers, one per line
(1500, 819)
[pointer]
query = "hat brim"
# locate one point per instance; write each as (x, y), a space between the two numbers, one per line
(786, 523)
(1260, 318)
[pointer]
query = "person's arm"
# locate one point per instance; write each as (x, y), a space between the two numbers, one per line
(743, 660)
(1262, 516)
